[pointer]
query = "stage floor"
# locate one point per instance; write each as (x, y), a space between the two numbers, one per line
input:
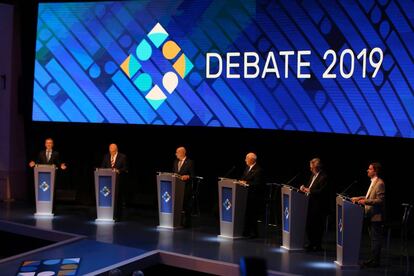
(107, 244)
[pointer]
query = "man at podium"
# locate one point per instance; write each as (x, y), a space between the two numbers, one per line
(185, 168)
(118, 162)
(253, 176)
(317, 189)
(48, 156)
(374, 212)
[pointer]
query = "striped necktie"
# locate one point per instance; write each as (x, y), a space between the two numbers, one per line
(112, 161)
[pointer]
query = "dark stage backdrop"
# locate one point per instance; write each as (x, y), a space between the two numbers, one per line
(216, 151)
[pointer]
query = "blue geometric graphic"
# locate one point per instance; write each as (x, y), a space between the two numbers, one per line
(286, 213)
(44, 189)
(166, 197)
(105, 191)
(339, 227)
(227, 204)
(144, 62)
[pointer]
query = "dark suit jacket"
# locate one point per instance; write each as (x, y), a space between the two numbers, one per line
(121, 163)
(54, 158)
(319, 193)
(187, 168)
(254, 178)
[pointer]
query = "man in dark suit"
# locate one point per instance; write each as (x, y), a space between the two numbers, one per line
(118, 162)
(48, 156)
(374, 202)
(185, 168)
(318, 192)
(253, 178)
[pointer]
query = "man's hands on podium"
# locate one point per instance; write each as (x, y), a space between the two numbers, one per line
(185, 177)
(358, 200)
(304, 189)
(62, 166)
(243, 183)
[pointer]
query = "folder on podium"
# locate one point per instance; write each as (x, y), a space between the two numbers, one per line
(105, 189)
(170, 190)
(349, 220)
(294, 213)
(232, 207)
(44, 177)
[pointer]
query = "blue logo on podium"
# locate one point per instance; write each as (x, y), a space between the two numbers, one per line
(227, 206)
(105, 193)
(286, 213)
(166, 196)
(340, 226)
(44, 191)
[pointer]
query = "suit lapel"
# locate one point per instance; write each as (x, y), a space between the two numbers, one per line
(373, 188)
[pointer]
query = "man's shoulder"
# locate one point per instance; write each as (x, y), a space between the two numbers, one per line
(380, 181)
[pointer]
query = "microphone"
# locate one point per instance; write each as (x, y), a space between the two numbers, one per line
(229, 172)
(347, 188)
(294, 177)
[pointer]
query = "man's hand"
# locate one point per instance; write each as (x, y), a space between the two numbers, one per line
(32, 164)
(243, 183)
(63, 166)
(361, 201)
(185, 177)
(355, 199)
(304, 189)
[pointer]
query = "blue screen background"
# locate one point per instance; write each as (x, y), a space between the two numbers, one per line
(88, 68)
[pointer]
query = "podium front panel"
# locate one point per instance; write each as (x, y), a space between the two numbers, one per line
(227, 204)
(339, 227)
(44, 176)
(44, 188)
(166, 196)
(286, 212)
(105, 191)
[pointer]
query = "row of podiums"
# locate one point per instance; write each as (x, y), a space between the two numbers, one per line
(232, 200)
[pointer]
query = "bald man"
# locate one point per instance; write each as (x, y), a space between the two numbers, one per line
(253, 177)
(185, 168)
(118, 162)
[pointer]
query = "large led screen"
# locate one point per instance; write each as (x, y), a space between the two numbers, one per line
(321, 66)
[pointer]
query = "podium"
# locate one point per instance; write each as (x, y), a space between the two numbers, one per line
(349, 219)
(232, 202)
(105, 191)
(44, 179)
(294, 213)
(170, 190)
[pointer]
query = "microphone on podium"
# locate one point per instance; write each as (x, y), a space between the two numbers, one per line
(229, 172)
(349, 186)
(295, 176)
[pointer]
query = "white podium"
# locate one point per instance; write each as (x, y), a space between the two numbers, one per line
(170, 190)
(232, 201)
(349, 220)
(44, 179)
(294, 213)
(105, 190)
